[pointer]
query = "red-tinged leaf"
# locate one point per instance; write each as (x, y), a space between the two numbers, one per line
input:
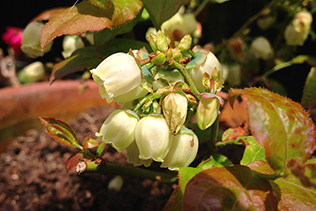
(82, 58)
(309, 92)
(216, 160)
(72, 162)
(306, 173)
(85, 16)
(280, 125)
(89, 143)
(228, 188)
(160, 11)
(102, 3)
(233, 133)
(175, 200)
(44, 16)
(253, 151)
(60, 131)
(293, 195)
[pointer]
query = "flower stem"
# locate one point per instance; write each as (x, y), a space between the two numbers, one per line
(110, 168)
(187, 77)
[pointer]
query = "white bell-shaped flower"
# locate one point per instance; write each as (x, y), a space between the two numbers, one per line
(174, 107)
(208, 66)
(261, 48)
(31, 40)
(119, 129)
(132, 154)
(118, 74)
(70, 44)
(153, 138)
(297, 31)
(183, 150)
(135, 93)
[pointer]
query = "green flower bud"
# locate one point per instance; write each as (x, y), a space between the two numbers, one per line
(297, 31)
(153, 138)
(152, 39)
(32, 72)
(185, 45)
(119, 129)
(162, 42)
(175, 108)
(183, 150)
(207, 110)
(31, 40)
(70, 44)
(158, 59)
(118, 74)
(115, 184)
(132, 154)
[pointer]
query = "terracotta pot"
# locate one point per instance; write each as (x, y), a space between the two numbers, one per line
(20, 107)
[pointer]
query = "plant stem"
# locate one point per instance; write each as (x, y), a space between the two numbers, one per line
(110, 168)
(187, 77)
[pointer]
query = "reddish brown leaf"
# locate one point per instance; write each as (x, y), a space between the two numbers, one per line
(89, 143)
(72, 162)
(85, 16)
(280, 125)
(228, 188)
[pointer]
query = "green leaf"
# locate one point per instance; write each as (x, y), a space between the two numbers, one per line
(216, 160)
(60, 131)
(160, 11)
(101, 3)
(309, 92)
(306, 173)
(106, 34)
(293, 195)
(253, 151)
(85, 16)
(198, 60)
(101, 149)
(175, 200)
(228, 188)
(280, 125)
(89, 143)
(86, 57)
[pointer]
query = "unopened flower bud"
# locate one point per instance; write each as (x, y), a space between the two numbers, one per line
(119, 129)
(31, 40)
(32, 72)
(185, 44)
(70, 44)
(158, 59)
(152, 39)
(208, 66)
(162, 42)
(207, 110)
(115, 184)
(175, 108)
(116, 75)
(297, 31)
(261, 48)
(132, 154)
(153, 138)
(183, 150)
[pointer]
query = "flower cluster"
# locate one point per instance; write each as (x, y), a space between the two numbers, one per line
(159, 93)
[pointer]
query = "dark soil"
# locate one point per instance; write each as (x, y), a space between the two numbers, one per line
(33, 176)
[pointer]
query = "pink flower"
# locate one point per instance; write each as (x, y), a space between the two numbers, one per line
(13, 38)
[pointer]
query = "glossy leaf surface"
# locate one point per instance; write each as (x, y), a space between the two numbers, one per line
(216, 160)
(86, 16)
(228, 188)
(280, 125)
(253, 151)
(102, 3)
(60, 131)
(309, 92)
(162, 10)
(175, 200)
(294, 195)
(72, 162)
(89, 143)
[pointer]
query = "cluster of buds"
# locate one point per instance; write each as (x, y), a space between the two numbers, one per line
(160, 93)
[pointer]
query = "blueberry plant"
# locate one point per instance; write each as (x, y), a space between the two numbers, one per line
(175, 96)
